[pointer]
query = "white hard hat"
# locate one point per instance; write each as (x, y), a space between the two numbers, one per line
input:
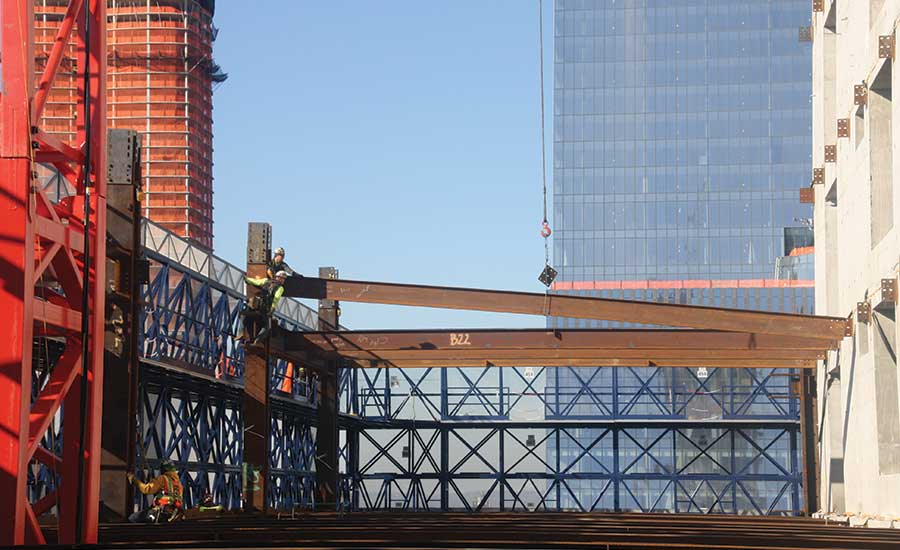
(279, 251)
(281, 274)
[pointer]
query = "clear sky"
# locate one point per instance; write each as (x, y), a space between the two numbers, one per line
(398, 140)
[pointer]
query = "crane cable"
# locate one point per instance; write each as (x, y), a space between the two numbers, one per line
(545, 224)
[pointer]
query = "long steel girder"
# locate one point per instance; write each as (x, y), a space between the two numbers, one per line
(646, 313)
(488, 339)
(641, 347)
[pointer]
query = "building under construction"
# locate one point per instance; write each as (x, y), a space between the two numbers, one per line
(123, 350)
(160, 82)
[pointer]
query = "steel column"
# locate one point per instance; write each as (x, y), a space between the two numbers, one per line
(808, 441)
(327, 435)
(17, 255)
(257, 377)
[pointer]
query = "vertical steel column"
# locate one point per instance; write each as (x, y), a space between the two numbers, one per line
(16, 266)
(501, 432)
(808, 440)
(327, 435)
(257, 420)
(445, 468)
(558, 472)
(123, 312)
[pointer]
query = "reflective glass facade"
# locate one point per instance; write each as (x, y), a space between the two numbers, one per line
(682, 133)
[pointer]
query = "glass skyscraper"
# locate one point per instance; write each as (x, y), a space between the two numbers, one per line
(682, 134)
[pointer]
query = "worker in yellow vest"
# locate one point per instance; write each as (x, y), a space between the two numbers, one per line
(167, 494)
(259, 311)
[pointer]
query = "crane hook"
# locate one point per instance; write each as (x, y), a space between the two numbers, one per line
(545, 229)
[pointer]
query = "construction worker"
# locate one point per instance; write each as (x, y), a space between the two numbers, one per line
(259, 313)
(277, 264)
(167, 494)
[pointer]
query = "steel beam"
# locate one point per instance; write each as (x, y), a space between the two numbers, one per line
(587, 354)
(603, 362)
(555, 305)
(494, 339)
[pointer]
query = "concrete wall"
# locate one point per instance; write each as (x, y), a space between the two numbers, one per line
(857, 245)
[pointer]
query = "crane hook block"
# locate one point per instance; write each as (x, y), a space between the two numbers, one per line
(545, 229)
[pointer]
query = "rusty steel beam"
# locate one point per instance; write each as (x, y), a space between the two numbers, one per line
(602, 362)
(648, 313)
(494, 339)
(588, 354)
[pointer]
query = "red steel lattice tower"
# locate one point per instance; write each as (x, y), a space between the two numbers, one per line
(52, 257)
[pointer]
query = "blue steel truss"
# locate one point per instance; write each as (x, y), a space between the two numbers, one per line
(191, 378)
(635, 439)
(292, 462)
(691, 468)
(641, 439)
(195, 424)
(191, 322)
(569, 393)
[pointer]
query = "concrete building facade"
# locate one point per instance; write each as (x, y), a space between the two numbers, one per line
(857, 233)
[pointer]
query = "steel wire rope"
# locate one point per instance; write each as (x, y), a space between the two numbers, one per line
(543, 132)
(86, 270)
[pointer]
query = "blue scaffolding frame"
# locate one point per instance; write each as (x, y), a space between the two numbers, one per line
(636, 439)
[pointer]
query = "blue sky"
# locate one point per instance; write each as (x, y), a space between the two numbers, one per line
(397, 140)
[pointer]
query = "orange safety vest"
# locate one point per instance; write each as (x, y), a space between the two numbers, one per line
(172, 495)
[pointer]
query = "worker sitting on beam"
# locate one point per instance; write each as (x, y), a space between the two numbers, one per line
(277, 264)
(258, 315)
(167, 494)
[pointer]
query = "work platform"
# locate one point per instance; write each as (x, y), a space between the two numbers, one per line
(501, 530)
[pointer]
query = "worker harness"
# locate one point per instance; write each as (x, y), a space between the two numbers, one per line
(169, 500)
(262, 302)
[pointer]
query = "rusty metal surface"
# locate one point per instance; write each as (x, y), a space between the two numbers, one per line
(843, 127)
(889, 290)
(494, 339)
(818, 176)
(807, 195)
(860, 94)
(863, 312)
(886, 46)
(594, 362)
(556, 348)
(327, 457)
(501, 530)
(602, 355)
(648, 313)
